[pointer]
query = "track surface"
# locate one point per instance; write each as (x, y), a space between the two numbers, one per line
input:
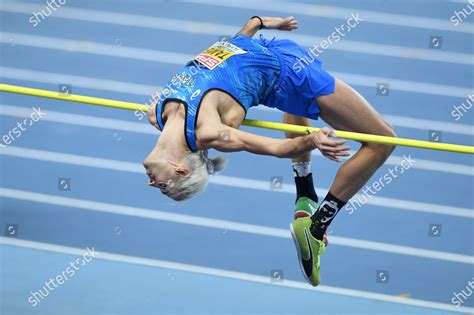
(159, 257)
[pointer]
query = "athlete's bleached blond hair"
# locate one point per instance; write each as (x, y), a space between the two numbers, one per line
(200, 167)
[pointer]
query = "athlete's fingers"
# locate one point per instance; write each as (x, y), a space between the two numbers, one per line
(289, 23)
(342, 153)
(328, 132)
(294, 23)
(337, 151)
(333, 149)
(289, 27)
(333, 143)
(325, 144)
(332, 158)
(336, 155)
(286, 21)
(342, 149)
(329, 153)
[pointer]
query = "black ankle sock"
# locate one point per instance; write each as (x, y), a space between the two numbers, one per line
(326, 213)
(305, 187)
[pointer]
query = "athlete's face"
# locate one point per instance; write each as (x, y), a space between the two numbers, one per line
(162, 172)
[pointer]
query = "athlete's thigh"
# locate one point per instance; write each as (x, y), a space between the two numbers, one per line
(347, 110)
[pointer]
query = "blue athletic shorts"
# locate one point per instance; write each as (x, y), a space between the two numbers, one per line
(302, 79)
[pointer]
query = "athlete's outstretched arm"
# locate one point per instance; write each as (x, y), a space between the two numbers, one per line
(254, 25)
(232, 140)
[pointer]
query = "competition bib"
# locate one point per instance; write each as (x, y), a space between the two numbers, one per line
(217, 54)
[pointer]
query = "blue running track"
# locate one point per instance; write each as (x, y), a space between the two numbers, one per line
(73, 180)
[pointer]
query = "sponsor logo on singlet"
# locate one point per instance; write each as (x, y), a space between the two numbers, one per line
(195, 94)
(182, 79)
(217, 54)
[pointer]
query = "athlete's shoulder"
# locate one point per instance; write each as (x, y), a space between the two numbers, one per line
(152, 119)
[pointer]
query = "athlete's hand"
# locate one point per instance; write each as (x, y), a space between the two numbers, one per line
(332, 149)
(286, 24)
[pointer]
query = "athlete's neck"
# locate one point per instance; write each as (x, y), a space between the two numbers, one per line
(173, 109)
(172, 138)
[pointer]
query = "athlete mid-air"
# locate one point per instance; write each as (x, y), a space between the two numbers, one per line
(203, 106)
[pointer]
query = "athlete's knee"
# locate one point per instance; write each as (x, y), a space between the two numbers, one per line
(390, 132)
(380, 151)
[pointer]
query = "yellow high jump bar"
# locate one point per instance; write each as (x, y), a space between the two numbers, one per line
(248, 122)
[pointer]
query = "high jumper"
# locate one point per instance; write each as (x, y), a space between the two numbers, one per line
(203, 106)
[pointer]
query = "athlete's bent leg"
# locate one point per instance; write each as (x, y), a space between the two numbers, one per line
(347, 110)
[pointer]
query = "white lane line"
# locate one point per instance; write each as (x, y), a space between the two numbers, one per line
(230, 274)
(423, 164)
(145, 128)
(115, 165)
(95, 48)
(77, 80)
(176, 25)
(82, 120)
(405, 85)
(434, 166)
(397, 204)
(181, 59)
(328, 11)
(427, 124)
(154, 214)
